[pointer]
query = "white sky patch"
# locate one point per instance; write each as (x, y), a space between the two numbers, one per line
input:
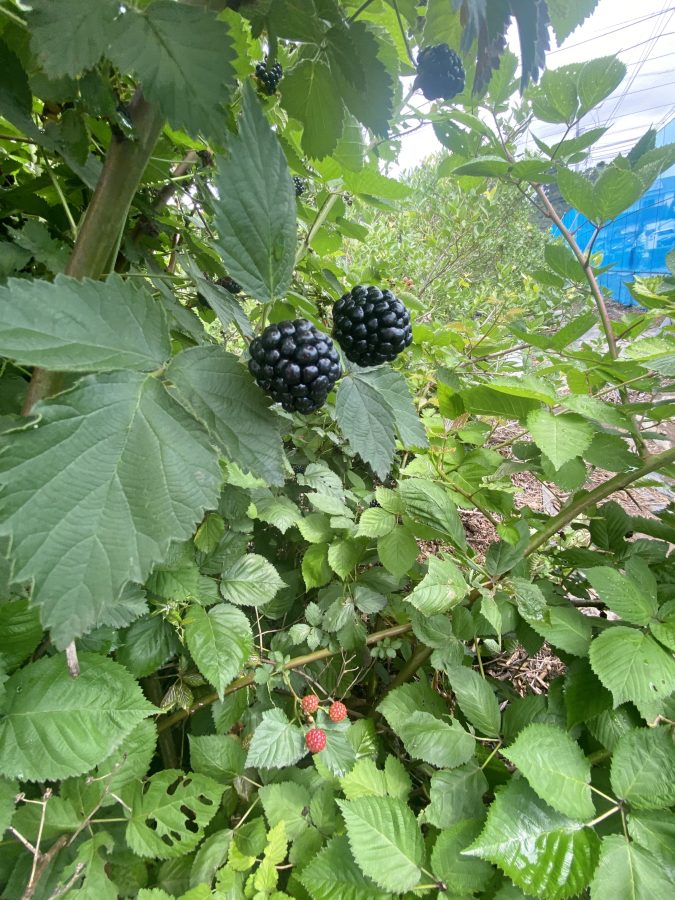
(642, 36)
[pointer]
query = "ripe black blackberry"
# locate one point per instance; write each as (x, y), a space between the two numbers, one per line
(300, 186)
(440, 73)
(371, 326)
(296, 364)
(268, 79)
(230, 284)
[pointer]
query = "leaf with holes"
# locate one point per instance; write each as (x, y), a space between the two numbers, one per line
(170, 812)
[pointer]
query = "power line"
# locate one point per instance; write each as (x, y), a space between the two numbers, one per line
(602, 34)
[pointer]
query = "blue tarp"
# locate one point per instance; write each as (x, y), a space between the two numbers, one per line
(637, 241)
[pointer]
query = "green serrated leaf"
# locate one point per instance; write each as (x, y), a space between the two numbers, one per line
(429, 504)
(309, 95)
(220, 642)
(560, 437)
(52, 712)
(256, 229)
(217, 389)
(251, 581)
(555, 767)
(456, 794)
(632, 666)
(385, 841)
(643, 768)
(333, 875)
(146, 473)
(276, 743)
(82, 326)
(182, 55)
(441, 588)
(375, 523)
(398, 550)
(522, 835)
(462, 874)
(476, 699)
(628, 871)
(622, 595)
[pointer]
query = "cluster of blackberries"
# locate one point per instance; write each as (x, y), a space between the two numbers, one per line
(371, 326)
(299, 186)
(440, 73)
(268, 79)
(230, 284)
(295, 363)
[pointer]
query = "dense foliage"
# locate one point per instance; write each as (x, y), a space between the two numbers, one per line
(246, 649)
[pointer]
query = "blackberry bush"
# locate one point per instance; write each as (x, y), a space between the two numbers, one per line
(268, 78)
(296, 364)
(371, 326)
(440, 73)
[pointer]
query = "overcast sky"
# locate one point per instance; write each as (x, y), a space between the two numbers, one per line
(642, 35)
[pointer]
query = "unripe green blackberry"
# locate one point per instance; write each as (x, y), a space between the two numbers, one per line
(268, 79)
(440, 73)
(296, 364)
(371, 326)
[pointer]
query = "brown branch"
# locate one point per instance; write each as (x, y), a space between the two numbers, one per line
(43, 861)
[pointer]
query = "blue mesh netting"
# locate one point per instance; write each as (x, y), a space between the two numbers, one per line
(637, 241)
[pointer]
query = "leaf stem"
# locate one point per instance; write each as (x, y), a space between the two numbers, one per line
(605, 815)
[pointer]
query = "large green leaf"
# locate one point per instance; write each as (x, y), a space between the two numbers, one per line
(308, 93)
(385, 841)
(622, 595)
(437, 742)
(55, 726)
(276, 742)
(597, 79)
(255, 209)
(441, 588)
(82, 326)
(542, 851)
(615, 190)
(566, 16)
(476, 699)
(182, 55)
(16, 101)
(170, 812)
(655, 831)
(560, 437)
(214, 386)
(8, 792)
(69, 36)
(564, 627)
(632, 666)
(643, 768)
(95, 493)
(395, 391)
(220, 756)
(367, 423)
(220, 642)
(627, 871)
(555, 767)
(429, 504)
(251, 581)
(333, 875)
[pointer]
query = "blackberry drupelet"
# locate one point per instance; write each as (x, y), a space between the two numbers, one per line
(268, 79)
(440, 73)
(300, 186)
(230, 285)
(296, 364)
(371, 326)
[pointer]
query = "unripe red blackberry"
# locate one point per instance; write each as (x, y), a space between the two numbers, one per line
(315, 740)
(296, 364)
(371, 326)
(337, 711)
(310, 704)
(440, 73)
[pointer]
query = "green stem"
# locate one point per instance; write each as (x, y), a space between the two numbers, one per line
(105, 217)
